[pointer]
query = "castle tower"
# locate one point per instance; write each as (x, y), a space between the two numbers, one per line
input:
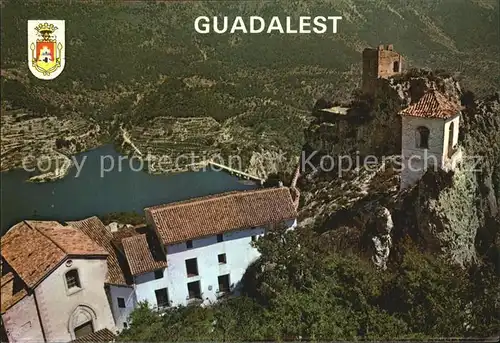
(382, 62)
(429, 136)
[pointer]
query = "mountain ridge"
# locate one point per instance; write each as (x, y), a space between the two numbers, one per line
(244, 81)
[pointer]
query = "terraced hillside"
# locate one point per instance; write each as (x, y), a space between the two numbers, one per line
(165, 139)
(141, 65)
(52, 139)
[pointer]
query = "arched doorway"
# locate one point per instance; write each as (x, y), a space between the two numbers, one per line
(82, 321)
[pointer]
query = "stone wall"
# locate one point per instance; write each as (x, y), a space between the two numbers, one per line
(389, 62)
(370, 70)
(21, 322)
(382, 62)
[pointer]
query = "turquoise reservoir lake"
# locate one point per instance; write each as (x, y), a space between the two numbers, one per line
(125, 190)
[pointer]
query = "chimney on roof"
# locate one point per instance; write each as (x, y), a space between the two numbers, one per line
(390, 47)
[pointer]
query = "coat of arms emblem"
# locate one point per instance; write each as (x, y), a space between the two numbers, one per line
(46, 48)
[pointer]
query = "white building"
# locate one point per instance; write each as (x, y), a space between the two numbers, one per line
(52, 284)
(60, 283)
(198, 250)
(119, 283)
(429, 136)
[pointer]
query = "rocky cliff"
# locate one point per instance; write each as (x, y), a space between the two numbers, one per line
(453, 214)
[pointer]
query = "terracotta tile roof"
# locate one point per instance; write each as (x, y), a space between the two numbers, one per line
(122, 233)
(11, 292)
(432, 105)
(143, 256)
(221, 213)
(68, 238)
(34, 248)
(188, 201)
(95, 229)
(101, 336)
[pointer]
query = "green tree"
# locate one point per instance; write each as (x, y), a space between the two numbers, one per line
(429, 294)
(293, 292)
(485, 300)
(145, 326)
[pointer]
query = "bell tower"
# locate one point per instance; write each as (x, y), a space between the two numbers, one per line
(429, 136)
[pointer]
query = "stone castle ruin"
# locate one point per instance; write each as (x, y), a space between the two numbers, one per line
(411, 114)
(381, 62)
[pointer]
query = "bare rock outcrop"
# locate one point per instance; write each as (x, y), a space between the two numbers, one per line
(452, 214)
(382, 241)
(352, 211)
(446, 213)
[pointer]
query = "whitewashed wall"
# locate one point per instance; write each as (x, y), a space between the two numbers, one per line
(61, 309)
(121, 315)
(145, 286)
(239, 255)
(455, 122)
(415, 157)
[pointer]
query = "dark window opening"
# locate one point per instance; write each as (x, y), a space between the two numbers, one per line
(162, 297)
(220, 238)
(224, 283)
(121, 302)
(158, 274)
(194, 290)
(189, 244)
(191, 267)
(254, 238)
(423, 137)
(395, 67)
(125, 325)
(222, 258)
(84, 330)
(72, 279)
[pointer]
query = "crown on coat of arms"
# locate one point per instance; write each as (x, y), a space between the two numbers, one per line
(45, 28)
